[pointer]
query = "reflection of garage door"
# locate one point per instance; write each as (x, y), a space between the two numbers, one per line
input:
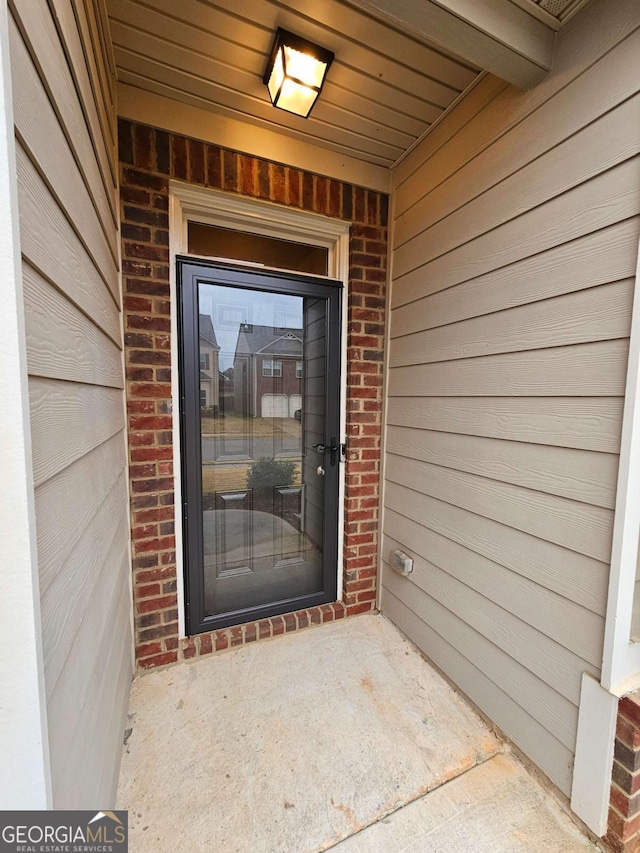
(295, 403)
(275, 406)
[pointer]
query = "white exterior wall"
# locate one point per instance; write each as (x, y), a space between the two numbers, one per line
(65, 124)
(515, 242)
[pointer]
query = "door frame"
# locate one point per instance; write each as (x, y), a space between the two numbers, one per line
(188, 202)
(191, 272)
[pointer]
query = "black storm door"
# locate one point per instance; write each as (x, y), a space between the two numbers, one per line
(260, 436)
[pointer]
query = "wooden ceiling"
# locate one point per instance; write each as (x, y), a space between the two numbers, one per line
(388, 84)
(382, 92)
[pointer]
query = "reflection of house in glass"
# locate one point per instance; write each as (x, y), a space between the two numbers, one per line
(209, 363)
(268, 371)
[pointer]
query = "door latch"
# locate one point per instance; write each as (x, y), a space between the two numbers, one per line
(334, 448)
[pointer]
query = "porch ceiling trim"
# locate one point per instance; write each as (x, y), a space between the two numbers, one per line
(497, 35)
(158, 111)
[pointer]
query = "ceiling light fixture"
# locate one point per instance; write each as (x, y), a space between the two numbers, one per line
(295, 72)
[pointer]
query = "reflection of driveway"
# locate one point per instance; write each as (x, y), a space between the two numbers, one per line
(260, 559)
(270, 536)
(219, 448)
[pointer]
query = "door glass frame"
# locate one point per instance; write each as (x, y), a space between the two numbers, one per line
(189, 273)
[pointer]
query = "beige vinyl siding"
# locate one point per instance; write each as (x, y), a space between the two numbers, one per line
(515, 239)
(63, 84)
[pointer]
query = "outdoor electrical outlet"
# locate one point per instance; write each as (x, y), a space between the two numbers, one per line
(402, 562)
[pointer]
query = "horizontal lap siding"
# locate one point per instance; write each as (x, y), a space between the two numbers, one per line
(514, 251)
(65, 130)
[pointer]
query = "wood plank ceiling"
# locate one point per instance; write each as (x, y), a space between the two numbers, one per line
(383, 90)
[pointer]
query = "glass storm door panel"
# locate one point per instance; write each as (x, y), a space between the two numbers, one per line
(260, 381)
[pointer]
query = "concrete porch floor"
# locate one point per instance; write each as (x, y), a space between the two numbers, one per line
(338, 737)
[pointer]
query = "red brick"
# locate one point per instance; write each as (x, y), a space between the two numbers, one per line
(147, 576)
(627, 732)
(179, 166)
(134, 195)
(214, 166)
(629, 707)
(149, 357)
(144, 454)
(355, 609)
(148, 649)
(278, 184)
(162, 631)
(146, 216)
(369, 595)
(147, 389)
(137, 471)
(294, 196)
(277, 625)
(327, 612)
(623, 829)
(140, 439)
(315, 616)
(143, 250)
(230, 170)
(139, 374)
(196, 161)
(159, 660)
(160, 603)
(150, 423)
(136, 178)
(264, 628)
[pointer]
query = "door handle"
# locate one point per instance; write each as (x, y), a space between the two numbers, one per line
(320, 471)
(334, 448)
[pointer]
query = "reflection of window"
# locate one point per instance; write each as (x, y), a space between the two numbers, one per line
(271, 367)
(204, 361)
(203, 398)
(298, 370)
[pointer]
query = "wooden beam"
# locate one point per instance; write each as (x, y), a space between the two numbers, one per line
(496, 35)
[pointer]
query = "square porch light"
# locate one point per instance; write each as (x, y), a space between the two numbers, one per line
(295, 72)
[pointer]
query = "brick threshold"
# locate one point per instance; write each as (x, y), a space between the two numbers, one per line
(151, 656)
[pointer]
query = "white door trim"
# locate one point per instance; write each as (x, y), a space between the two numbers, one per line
(621, 656)
(227, 210)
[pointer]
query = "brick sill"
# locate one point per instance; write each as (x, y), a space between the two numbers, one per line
(152, 655)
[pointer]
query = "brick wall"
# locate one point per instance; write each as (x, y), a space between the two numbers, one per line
(148, 159)
(624, 813)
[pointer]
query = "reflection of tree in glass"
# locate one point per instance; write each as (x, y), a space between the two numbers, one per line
(271, 472)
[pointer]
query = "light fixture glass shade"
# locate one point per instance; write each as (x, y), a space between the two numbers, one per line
(303, 67)
(296, 98)
(295, 73)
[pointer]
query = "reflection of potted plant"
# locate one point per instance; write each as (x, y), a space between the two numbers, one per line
(264, 475)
